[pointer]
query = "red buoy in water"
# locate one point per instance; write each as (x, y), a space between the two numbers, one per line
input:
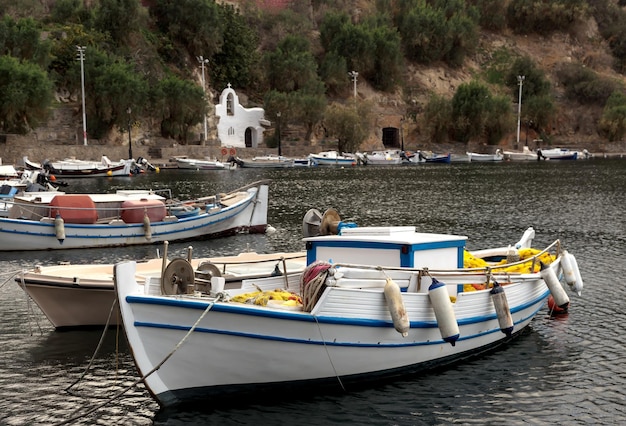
(554, 308)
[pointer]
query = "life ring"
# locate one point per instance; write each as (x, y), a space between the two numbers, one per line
(224, 151)
(233, 152)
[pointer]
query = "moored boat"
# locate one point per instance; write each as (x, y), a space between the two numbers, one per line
(332, 158)
(557, 154)
(77, 296)
(524, 155)
(496, 156)
(373, 303)
(199, 164)
(54, 221)
(388, 157)
(74, 168)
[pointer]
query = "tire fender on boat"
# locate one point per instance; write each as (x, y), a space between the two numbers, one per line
(446, 320)
(501, 305)
(393, 296)
(561, 299)
(569, 265)
(59, 228)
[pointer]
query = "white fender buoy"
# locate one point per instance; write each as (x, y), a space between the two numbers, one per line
(501, 304)
(146, 227)
(393, 296)
(59, 228)
(571, 272)
(561, 299)
(440, 299)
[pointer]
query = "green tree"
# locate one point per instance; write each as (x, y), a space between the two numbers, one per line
(545, 16)
(194, 24)
(437, 30)
(437, 117)
(118, 18)
(291, 66)
(22, 39)
(499, 119)
(471, 106)
(350, 124)
(612, 124)
(180, 105)
(25, 95)
(237, 58)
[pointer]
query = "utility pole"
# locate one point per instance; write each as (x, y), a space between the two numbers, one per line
(520, 79)
(278, 131)
(130, 140)
(81, 57)
(203, 61)
(354, 75)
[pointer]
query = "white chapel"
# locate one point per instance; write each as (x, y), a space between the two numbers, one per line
(237, 126)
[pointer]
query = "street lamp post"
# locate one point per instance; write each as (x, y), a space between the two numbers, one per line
(402, 132)
(278, 131)
(520, 79)
(203, 61)
(130, 140)
(81, 57)
(354, 75)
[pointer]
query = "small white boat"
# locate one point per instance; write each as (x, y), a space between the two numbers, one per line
(392, 302)
(430, 157)
(497, 156)
(74, 296)
(55, 221)
(199, 164)
(524, 155)
(331, 158)
(266, 161)
(74, 168)
(557, 154)
(387, 157)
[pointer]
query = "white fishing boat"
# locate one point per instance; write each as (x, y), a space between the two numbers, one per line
(496, 156)
(266, 162)
(387, 157)
(82, 295)
(332, 158)
(557, 154)
(55, 221)
(373, 303)
(524, 155)
(199, 164)
(75, 168)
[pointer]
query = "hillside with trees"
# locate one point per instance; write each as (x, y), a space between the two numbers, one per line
(450, 69)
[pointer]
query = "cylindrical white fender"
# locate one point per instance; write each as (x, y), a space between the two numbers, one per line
(446, 320)
(393, 296)
(556, 289)
(59, 228)
(501, 304)
(146, 227)
(571, 272)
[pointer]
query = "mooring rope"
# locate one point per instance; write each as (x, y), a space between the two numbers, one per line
(312, 284)
(93, 357)
(143, 378)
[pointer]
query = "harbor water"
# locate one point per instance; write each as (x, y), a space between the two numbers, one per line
(564, 370)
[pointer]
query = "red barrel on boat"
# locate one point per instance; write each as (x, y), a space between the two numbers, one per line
(134, 210)
(74, 208)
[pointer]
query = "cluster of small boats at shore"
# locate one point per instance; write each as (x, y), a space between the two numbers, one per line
(388, 157)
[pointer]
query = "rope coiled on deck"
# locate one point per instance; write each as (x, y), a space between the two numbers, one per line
(312, 284)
